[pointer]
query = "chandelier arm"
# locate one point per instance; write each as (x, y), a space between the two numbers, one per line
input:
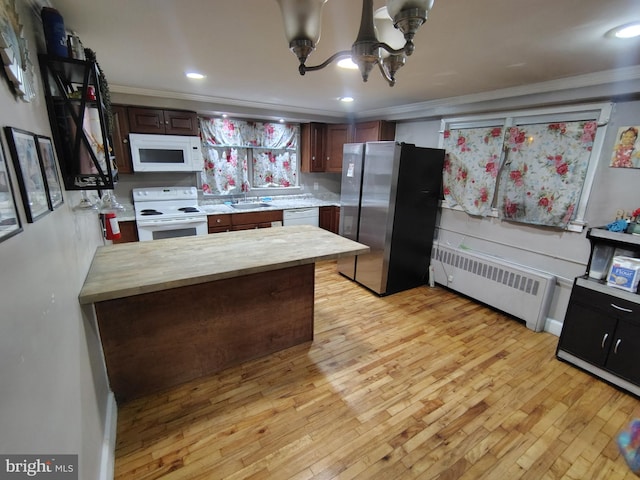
(407, 49)
(385, 74)
(343, 54)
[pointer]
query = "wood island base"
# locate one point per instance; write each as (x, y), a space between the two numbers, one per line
(158, 340)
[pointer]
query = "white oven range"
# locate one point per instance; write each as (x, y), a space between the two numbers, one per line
(168, 212)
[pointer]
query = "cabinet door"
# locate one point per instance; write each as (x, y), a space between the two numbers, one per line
(121, 138)
(128, 232)
(623, 357)
(180, 123)
(587, 333)
(146, 120)
(330, 218)
(312, 140)
(337, 136)
(374, 131)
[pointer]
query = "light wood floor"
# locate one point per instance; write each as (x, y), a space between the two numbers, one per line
(421, 384)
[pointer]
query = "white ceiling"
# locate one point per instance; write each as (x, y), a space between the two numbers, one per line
(466, 47)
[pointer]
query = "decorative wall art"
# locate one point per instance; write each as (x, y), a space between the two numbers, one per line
(626, 152)
(15, 53)
(9, 220)
(48, 161)
(29, 170)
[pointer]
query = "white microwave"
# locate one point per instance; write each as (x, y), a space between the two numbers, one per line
(165, 153)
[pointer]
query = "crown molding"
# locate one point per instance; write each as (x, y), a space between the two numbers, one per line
(620, 81)
(223, 104)
(605, 84)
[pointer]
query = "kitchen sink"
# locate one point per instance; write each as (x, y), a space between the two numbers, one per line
(249, 206)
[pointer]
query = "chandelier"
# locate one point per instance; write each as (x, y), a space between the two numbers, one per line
(385, 39)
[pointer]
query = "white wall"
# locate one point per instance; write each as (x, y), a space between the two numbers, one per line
(54, 395)
(564, 254)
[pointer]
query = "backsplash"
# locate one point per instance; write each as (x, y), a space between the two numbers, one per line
(320, 185)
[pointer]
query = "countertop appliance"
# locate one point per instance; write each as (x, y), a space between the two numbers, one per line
(301, 216)
(167, 212)
(389, 201)
(165, 153)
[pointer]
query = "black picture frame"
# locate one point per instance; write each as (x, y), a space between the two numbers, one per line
(47, 156)
(10, 223)
(30, 173)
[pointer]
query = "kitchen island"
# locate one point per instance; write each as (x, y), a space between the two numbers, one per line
(173, 310)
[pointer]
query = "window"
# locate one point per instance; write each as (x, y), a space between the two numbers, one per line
(241, 156)
(533, 167)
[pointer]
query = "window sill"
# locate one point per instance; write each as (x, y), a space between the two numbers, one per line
(576, 226)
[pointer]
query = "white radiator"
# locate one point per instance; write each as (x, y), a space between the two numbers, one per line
(517, 290)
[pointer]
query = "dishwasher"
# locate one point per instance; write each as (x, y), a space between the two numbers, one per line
(301, 216)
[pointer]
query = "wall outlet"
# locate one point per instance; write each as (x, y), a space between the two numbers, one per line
(315, 185)
(450, 278)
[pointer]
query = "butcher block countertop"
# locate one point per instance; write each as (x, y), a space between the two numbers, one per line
(128, 269)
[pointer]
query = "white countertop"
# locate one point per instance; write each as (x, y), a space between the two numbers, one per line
(217, 207)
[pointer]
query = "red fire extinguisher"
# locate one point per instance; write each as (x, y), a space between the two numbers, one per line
(111, 226)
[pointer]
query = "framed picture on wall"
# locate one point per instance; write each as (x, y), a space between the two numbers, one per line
(48, 161)
(29, 170)
(626, 151)
(9, 220)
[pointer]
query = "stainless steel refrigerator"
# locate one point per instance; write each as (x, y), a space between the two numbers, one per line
(389, 201)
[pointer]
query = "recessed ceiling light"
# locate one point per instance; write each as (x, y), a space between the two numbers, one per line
(630, 30)
(281, 120)
(346, 99)
(195, 75)
(347, 63)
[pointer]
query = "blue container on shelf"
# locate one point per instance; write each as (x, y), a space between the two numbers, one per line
(54, 32)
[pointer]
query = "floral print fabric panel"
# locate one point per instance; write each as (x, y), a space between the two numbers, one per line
(239, 133)
(274, 168)
(225, 171)
(221, 131)
(544, 172)
(277, 135)
(471, 167)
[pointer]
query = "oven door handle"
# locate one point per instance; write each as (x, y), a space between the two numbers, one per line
(170, 223)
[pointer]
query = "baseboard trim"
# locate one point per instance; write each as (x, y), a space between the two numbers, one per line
(553, 326)
(109, 441)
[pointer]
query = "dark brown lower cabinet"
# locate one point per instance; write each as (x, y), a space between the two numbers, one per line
(330, 218)
(601, 333)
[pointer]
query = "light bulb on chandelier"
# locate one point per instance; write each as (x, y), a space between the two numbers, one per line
(384, 39)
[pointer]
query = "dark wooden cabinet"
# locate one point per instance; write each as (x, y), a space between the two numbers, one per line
(219, 223)
(322, 144)
(128, 232)
(312, 144)
(337, 136)
(373, 131)
(120, 139)
(167, 122)
(249, 220)
(330, 218)
(601, 329)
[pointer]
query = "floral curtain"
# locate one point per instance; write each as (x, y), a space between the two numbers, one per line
(239, 133)
(272, 168)
(544, 172)
(471, 167)
(225, 171)
(227, 146)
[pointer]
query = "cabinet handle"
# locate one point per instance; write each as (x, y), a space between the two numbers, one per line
(615, 349)
(125, 141)
(218, 220)
(620, 308)
(604, 339)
